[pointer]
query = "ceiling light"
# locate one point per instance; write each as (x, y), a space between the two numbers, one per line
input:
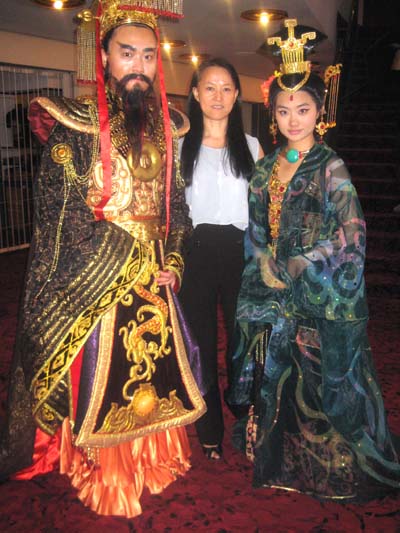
(194, 58)
(264, 18)
(264, 15)
(60, 4)
(169, 44)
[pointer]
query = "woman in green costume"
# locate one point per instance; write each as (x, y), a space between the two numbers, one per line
(316, 422)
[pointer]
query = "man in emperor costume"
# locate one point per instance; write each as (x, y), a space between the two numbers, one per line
(101, 385)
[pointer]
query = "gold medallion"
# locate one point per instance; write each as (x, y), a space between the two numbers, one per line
(61, 153)
(149, 165)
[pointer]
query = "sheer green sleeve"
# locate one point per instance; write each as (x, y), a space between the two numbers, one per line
(328, 277)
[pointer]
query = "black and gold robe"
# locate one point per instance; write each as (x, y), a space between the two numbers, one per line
(91, 293)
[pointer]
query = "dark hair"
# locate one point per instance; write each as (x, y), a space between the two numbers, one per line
(105, 42)
(238, 152)
(314, 86)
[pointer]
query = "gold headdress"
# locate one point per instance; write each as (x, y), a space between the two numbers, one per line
(292, 51)
(293, 62)
(112, 13)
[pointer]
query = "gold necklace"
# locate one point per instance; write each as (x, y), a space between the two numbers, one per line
(276, 190)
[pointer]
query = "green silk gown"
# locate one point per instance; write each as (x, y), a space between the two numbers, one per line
(303, 363)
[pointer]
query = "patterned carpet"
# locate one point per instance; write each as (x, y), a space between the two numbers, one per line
(212, 497)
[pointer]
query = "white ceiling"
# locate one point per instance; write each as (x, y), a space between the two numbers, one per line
(210, 26)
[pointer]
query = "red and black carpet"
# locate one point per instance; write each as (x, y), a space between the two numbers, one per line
(214, 497)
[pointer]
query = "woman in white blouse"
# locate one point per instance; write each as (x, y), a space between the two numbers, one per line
(217, 160)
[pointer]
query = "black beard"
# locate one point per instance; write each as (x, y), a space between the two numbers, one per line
(139, 108)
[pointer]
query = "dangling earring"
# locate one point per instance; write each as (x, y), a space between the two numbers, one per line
(273, 129)
(321, 128)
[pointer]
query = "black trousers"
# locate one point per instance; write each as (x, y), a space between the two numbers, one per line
(213, 267)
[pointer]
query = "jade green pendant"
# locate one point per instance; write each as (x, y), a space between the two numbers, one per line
(292, 155)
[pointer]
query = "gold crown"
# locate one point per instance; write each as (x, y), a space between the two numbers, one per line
(292, 49)
(114, 13)
(117, 12)
(293, 62)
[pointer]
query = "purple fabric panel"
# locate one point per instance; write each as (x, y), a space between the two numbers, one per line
(89, 363)
(191, 346)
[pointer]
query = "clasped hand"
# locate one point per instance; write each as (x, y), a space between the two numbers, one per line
(166, 277)
(269, 272)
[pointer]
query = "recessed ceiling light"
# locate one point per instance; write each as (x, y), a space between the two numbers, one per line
(59, 4)
(263, 15)
(194, 58)
(168, 44)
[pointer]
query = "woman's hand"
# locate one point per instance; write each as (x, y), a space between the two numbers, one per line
(296, 265)
(269, 272)
(167, 277)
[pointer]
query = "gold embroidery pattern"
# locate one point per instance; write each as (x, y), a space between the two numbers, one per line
(180, 182)
(276, 190)
(146, 230)
(62, 155)
(70, 113)
(174, 262)
(140, 352)
(50, 375)
(145, 408)
(136, 185)
(130, 197)
(151, 318)
(166, 415)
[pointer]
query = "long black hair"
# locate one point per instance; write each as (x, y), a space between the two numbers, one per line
(238, 152)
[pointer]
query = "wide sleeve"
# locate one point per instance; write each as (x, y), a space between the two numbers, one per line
(180, 223)
(257, 211)
(328, 278)
(258, 302)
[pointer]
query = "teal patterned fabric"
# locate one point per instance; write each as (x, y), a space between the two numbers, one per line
(303, 362)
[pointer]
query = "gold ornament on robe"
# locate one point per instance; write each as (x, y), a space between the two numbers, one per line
(148, 167)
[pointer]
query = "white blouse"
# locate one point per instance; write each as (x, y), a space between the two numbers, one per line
(216, 196)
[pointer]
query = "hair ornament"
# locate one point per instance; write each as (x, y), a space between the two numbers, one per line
(328, 117)
(292, 52)
(265, 87)
(293, 62)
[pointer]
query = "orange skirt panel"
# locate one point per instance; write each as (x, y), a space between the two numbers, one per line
(113, 484)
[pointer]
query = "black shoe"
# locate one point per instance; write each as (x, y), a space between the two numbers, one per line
(213, 452)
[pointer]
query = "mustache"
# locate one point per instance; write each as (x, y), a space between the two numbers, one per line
(121, 84)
